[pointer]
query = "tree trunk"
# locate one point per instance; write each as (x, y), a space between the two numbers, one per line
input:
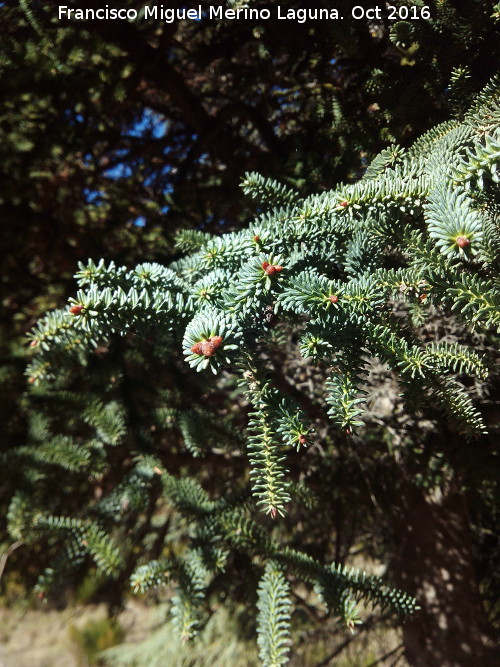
(434, 561)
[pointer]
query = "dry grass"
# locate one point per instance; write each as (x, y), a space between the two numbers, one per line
(67, 638)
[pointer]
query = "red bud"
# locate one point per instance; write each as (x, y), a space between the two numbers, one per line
(333, 298)
(207, 347)
(462, 241)
(76, 310)
(216, 340)
(271, 269)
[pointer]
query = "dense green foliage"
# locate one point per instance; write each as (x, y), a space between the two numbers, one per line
(355, 272)
(264, 465)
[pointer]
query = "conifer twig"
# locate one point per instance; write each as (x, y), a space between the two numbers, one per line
(6, 554)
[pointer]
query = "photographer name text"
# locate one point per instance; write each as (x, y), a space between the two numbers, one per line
(300, 15)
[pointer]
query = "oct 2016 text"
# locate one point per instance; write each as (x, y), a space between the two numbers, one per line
(299, 15)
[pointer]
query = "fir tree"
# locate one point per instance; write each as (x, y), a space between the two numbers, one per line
(322, 301)
(354, 273)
